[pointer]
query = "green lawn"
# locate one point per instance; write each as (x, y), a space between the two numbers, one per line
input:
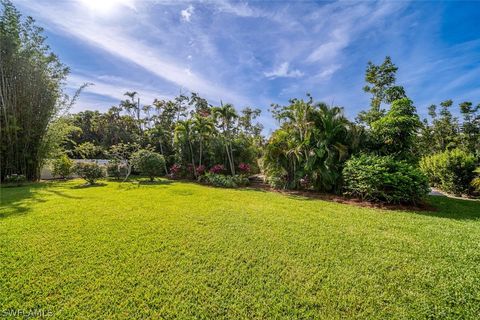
(181, 250)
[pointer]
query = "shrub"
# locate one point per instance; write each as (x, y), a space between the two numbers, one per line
(117, 170)
(90, 171)
(221, 180)
(62, 167)
(217, 169)
(15, 179)
(148, 163)
(382, 178)
(451, 170)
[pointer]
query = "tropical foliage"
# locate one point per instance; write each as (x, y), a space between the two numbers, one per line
(310, 147)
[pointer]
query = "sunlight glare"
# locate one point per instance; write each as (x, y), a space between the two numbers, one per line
(106, 6)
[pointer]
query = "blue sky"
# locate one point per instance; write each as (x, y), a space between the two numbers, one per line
(261, 52)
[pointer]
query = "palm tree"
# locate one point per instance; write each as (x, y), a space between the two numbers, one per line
(225, 115)
(203, 127)
(330, 145)
(183, 132)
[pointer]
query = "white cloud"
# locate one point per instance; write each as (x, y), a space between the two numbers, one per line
(113, 87)
(186, 14)
(282, 71)
(329, 50)
(327, 72)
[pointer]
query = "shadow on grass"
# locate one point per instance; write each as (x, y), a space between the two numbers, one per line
(450, 208)
(154, 183)
(62, 194)
(88, 185)
(18, 200)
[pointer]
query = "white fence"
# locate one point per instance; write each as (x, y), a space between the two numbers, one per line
(46, 172)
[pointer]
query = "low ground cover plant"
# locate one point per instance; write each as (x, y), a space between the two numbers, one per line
(225, 181)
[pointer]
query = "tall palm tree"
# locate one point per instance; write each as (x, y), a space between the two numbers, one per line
(183, 133)
(203, 127)
(225, 115)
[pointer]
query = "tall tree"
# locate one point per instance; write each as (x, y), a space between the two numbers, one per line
(203, 128)
(226, 115)
(396, 132)
(381, 85)
(31, 78)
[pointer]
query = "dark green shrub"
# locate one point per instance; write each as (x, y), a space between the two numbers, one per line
(220, 180)
(15, 180)
(451, 170)
(62, 167)
(90, 171)
(382, 178)
(117, 170)
(149, 163)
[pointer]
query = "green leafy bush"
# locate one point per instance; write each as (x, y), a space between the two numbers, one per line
(382, 178)
(90, 171)
(149, 163)
(221, 180)
(117, 170)
(15, 179)
(62, 167)
(451, 170)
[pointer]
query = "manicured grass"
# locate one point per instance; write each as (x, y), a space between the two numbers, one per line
(181, 250)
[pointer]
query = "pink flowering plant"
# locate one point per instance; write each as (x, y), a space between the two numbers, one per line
(217, 169)
(176, 170)
(244, 168)
(201, 170)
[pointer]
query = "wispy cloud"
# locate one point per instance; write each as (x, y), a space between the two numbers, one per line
(327, 72)
(241, 9)
(282, 71)
(186, 14)
(232, 50)
(114, 87)
(116, 41)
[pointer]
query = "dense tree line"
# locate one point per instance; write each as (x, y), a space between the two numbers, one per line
(187, 131)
